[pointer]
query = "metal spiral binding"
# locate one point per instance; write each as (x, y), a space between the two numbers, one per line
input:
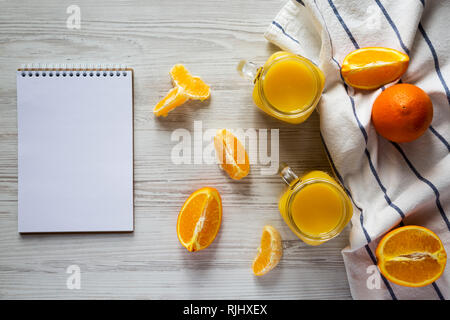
(73, 70)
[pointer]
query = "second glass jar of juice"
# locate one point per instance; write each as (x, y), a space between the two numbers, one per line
(288, 87)
(315, 206)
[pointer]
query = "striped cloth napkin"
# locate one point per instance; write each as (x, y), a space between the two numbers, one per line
(390, 184)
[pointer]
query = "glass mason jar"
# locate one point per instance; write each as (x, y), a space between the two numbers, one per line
(315, 206)
(288, 87)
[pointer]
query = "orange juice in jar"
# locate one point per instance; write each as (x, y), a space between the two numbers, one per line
(315, 206)
(288, 87)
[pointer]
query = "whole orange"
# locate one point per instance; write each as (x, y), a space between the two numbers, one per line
(402, 113)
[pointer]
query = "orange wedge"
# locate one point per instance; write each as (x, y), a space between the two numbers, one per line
(199, 219)
(186, 87)
(269, 252)
(372, 67)
(231, 154)
(411, 256)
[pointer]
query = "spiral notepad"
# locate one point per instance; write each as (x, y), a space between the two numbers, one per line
(75, 150)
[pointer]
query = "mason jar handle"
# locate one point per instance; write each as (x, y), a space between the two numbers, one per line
(287, 174)
(248, 70)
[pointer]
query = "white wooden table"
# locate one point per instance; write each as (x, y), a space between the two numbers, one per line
(209, 37)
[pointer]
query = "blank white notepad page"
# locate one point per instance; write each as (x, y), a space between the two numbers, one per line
(75, 152)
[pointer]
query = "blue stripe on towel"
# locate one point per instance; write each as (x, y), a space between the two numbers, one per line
(394, 27)
(343, 24)
(372, 257)
(276, 24)
(380, 184)
(352, 101)
(438, 135)
(366, 150)
(386, 283)
(436, 61)
(438, 291)
(426, 181)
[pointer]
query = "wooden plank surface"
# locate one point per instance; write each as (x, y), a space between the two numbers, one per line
(209, 37)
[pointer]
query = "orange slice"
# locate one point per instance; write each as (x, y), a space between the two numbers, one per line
(199, 219)
(231, 154)
(186, 87)
(411, 256)
(269, 252)
(372, 67)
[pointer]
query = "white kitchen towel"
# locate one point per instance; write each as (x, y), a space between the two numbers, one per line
(390, 184)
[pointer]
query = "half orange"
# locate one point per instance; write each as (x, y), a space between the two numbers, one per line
(411, 256)
(199, 219)
(372, 67)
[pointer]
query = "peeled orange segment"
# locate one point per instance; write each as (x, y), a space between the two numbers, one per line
(269, 252)
(231, 154)
(411, 256)
(372, 67)
(194, 87)
(199, 219)
(174, 98)
(186, 87)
